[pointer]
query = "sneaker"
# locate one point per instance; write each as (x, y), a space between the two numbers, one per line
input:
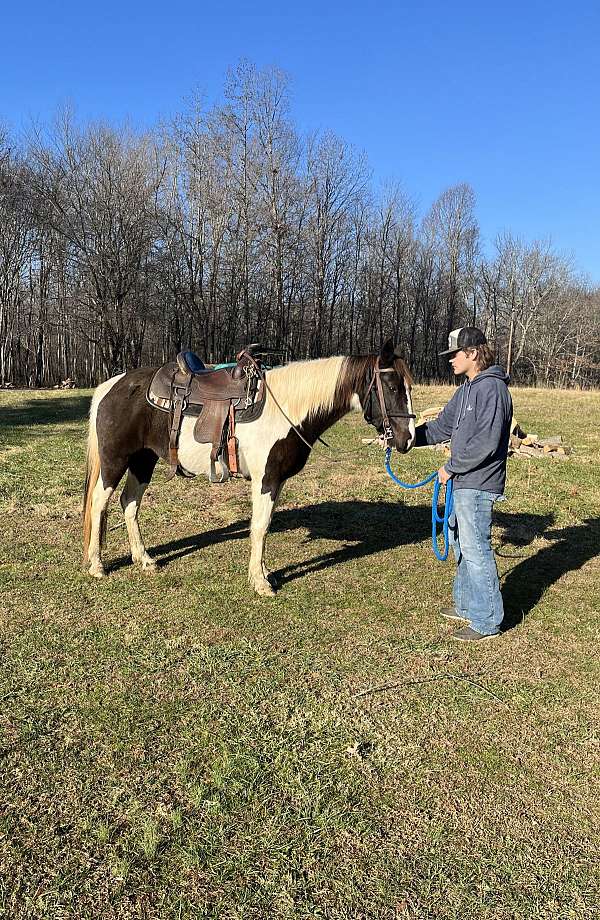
(451, 614)
(466, 634)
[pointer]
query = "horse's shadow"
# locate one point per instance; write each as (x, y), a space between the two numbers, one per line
(365, 528)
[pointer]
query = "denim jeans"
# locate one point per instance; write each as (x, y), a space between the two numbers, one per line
(476, 589)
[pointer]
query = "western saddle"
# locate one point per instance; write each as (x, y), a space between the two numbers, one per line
(218, 399)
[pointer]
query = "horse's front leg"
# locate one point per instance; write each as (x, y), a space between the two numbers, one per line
(131, 499)
(262, 510)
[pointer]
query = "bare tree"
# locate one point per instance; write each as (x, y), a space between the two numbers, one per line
(227, 226)
(453, 232)
(100, 188)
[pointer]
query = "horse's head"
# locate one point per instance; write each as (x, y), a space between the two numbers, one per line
(387, 403)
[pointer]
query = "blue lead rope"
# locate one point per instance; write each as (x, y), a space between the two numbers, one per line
(436, 518)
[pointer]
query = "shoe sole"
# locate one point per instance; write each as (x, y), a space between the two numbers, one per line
(480, 639)
(453, 616)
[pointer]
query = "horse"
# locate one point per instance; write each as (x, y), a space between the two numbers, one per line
(304, 398)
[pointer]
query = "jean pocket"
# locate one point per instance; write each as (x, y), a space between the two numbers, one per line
(494, 496)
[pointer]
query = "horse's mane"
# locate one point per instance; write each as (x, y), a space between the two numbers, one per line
(306, 388)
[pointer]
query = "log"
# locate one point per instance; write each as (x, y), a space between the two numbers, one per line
(516, 429)
(427, 415)
(529, 451)
(553, 441)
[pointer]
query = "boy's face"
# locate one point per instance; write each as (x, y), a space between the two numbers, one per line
(464, 362)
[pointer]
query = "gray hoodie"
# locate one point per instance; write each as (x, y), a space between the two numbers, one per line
(476, 421)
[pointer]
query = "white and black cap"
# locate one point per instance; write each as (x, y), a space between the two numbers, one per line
(465, 337)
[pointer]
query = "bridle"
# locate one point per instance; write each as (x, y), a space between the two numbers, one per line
(388, 434)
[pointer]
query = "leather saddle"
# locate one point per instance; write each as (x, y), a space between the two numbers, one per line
(218, 399)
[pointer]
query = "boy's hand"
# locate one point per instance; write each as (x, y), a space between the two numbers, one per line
(444, 475)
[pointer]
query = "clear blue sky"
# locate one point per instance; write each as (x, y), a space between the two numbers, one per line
(505, 96)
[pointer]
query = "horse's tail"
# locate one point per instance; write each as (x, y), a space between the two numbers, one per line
(92, 474)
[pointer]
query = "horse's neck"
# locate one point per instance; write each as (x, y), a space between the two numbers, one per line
(317, 424)
(315, 394)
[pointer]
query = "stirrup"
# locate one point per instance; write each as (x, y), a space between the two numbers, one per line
(212, 476)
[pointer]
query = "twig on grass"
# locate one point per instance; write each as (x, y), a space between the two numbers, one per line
(445, 675)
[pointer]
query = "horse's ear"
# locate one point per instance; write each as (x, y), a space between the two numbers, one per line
(386, 354)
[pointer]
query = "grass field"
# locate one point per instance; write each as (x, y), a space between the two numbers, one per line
(173, 746)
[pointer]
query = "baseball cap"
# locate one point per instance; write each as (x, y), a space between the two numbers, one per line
(464, 337)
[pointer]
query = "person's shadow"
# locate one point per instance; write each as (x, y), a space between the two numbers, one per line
(526, 583)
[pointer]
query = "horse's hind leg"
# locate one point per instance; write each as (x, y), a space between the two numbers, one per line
(141, 467)
(100, 499)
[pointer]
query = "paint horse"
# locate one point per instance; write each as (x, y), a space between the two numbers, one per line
(303, 399)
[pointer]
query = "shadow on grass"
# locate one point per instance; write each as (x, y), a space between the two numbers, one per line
(366, 528)
(34, 413)
(527, 582)
(370, 527)
(379, 526)
(522, 529)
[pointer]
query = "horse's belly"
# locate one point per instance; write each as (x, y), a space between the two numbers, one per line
(195, 457)
(255, 440)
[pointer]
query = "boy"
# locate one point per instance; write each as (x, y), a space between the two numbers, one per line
(476, 421)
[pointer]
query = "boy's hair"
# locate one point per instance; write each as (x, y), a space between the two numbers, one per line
(484, 357)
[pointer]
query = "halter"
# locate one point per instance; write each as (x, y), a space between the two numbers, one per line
(388, 434)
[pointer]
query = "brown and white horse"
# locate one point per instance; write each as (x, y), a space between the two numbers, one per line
(127, 435)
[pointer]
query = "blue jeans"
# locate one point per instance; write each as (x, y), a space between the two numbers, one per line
(476, 589)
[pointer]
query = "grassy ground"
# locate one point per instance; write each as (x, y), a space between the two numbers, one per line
(176, 747)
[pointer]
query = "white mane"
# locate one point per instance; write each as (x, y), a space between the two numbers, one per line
(304, 388)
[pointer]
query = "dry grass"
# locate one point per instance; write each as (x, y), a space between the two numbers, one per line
(174, 747)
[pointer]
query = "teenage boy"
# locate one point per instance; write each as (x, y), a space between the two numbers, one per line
(476, 421)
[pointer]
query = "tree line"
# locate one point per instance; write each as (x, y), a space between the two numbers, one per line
(119, 248)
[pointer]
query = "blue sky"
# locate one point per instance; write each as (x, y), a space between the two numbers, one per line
(504, 96)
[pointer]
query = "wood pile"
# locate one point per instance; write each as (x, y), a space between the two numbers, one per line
(67, 384)
(428, 415)
(524, 444)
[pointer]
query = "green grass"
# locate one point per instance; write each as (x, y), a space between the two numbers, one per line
(177, 747)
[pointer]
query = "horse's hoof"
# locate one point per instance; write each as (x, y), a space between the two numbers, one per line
(97, 571)
(146, 563)
(264, 589)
